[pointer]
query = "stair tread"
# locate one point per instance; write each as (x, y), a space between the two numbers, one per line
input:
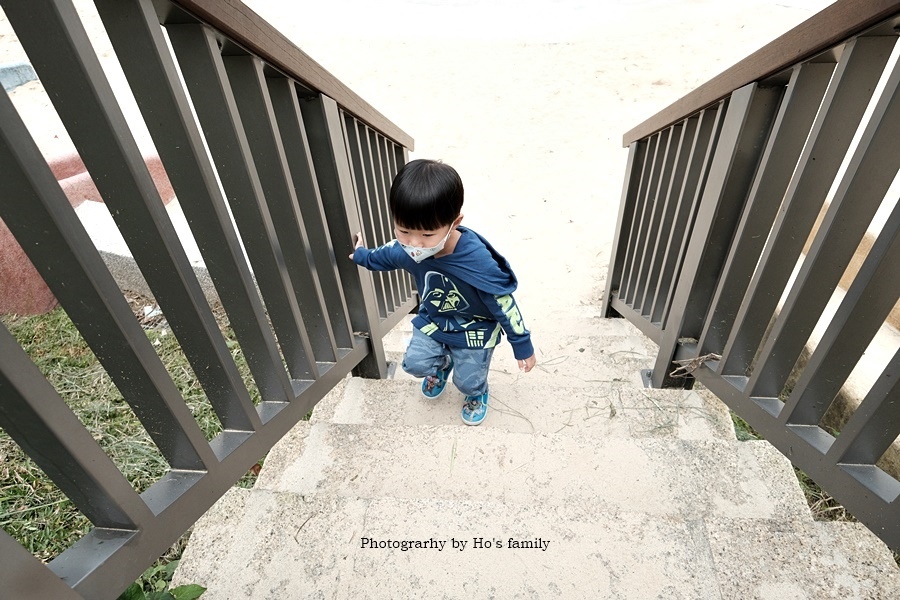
(528, 405)
(264, 544)
(653, 476)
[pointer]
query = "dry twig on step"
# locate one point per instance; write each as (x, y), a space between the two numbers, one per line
(688, 366)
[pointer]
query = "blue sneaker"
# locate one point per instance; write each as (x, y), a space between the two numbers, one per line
(433, 385)
(475, 409)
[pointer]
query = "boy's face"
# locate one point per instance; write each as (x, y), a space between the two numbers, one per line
(423, 238)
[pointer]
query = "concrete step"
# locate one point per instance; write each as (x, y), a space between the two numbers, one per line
(528, 404)
(574, 360)
(579, 342)
(607, 490)
(650, 476)
(265, 544)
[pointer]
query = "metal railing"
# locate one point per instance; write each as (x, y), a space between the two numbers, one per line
(268, 154)
(722, 192)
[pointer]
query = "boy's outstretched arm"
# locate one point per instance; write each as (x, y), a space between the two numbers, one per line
(383, 258)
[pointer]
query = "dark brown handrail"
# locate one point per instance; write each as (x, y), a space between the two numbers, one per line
(241, 24)
(841, 20)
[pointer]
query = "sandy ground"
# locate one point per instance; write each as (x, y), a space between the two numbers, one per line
(528, 100)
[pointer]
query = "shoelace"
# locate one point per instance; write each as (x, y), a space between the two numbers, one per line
(473, 404)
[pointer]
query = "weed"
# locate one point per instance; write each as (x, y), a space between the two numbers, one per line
(155, 584)
(822, 504)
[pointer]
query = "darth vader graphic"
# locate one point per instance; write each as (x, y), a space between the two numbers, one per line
(442, 294)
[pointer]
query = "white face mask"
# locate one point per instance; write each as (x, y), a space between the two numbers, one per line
(420, 254)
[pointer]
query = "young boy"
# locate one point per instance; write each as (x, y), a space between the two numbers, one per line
(464, 284)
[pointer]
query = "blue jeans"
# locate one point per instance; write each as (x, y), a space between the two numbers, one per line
(426, 356)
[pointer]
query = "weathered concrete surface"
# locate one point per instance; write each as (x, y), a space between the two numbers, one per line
(12, 75)
(652, 476)
(268, 544)
(529, 405)
(787, 560)
(296, 547)
(625, 517)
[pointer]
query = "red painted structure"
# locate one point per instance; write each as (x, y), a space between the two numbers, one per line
(22, 290)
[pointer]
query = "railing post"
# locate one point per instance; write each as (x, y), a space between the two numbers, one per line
(748, 120)
(326, 141)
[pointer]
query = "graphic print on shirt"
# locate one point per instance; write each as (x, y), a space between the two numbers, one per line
(451, 312)
(443, 294)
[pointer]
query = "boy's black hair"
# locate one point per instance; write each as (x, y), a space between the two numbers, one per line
(426, 194)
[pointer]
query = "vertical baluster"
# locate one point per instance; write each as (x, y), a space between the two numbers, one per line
(876, 423)
(748, 121)
(399, 156)
(245, 74)
(382, 179)
(646, 280)
(328, 145)
(868, 176)
(647, 202)
(204, 73)
(358, 150)
(640, 201)
(861, 64)
(390, 169)
(44, 426)
(379, 205)
(702, 151)
(283, 94)
(142, 50)
(71, 73)
(296, 143)
(398, 159)
(41, 219)
(802, 98)
(627, 209)
(867, 304)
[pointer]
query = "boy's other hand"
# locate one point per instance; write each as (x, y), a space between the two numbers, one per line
(527, 364)
(358, 243)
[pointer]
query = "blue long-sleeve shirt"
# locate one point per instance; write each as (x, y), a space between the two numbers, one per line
(466, 296)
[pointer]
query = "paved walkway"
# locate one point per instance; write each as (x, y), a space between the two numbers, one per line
(529, 102)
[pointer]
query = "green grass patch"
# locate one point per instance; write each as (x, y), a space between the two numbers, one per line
(743, 430)
(34, 511)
